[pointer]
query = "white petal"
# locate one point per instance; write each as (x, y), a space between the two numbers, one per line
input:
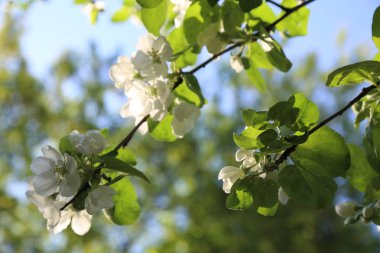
(230, 171)
(240, 155)
(145, 43)
(40, 201)
(185, 117)
(81, 222)
(71, 164)
(42, 164)
(70, 185)
(143, 129)
(63, 222)
(163, 47)
(53, 154)
(90, 207)
(45, 183)
(75, 137)
(282, 196)
(236, 63)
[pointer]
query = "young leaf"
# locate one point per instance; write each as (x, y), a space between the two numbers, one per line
(372, 144)
(284, 112)
(258, 56)
(127, 209)
(65, 145)
(212, 2)
(267, 137)
(264, 192)
(305, 185)
(118, 165)
(127, 155)
(372, 192)
(356, 73)
(154, 18)
(149, 3)
(308, 113)
(376, 28)
(248, 5)
(248, 138)
(121, 14)
(268, 211)
(254, 118)
(326, 148)
(192, 83)
(162, 130)
(274, 51)
(360, 172)
(295, 24)
(179, 44)
(232, 17)
(255, 76)
(240, 197)
(196, 19)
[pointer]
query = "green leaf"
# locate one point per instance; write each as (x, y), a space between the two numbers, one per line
(360, 172)
(121, 166)
(376, 27)
(275, 54)
(372, 192)
(264, 192)
(377, 57)
(259, 57)
(149, 3)
(267, 137)
(248, 138)
(104, 132)
(326, 148)
(81, 1)
(127, 209)
(127, 155)
(212, 2)
(271, 211)
(248, 5)
(372, 144)
(94, 16)
(121, 14)
(256, 77)
(240, 197)
(180, 46)
(232, 17)
(192, 83)
(162, 130)
(296, 23)
(154, 18)
(197, 18)
(356, 73)
(308, 113)
(264, 13)
(284, 112)
(254, 118)
(305, 185)
(65, 145)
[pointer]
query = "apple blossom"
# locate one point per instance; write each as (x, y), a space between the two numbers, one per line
(236, 63)
(55, 173)
(99, 198)
(180, 8)
(230, 175)
(185, 117)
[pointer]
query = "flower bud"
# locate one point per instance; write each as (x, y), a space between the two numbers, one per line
(349, 221)
(367, 212)
(345, 209)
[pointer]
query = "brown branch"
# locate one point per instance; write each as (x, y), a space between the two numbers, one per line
(362, 94)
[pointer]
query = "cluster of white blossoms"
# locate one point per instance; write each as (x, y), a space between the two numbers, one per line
(144, 78)
(59, 177)
(250, 165)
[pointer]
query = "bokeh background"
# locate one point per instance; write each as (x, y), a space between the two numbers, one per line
(54, 78)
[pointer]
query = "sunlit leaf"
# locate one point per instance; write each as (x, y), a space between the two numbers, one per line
(296, 23)
(376, 28)
(240, 197)
(162, 130)
(248, 5)
(149, 3)
(121, 166)
(154, 18)
(248, 138)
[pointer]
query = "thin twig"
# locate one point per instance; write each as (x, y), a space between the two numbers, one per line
(362, 94)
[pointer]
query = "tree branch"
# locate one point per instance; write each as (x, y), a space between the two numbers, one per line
(362, 94)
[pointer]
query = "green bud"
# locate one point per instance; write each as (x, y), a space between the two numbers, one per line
(346, 209)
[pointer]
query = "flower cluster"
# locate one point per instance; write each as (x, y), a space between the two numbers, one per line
(354, 212)
(251, 164)
(59, 177)
(146, 83)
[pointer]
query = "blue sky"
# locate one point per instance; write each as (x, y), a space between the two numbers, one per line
(55, 26)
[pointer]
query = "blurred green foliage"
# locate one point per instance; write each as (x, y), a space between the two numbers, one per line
(184, 207)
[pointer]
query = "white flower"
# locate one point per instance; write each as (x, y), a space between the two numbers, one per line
(230, 175)
(346, 209)
(236, 63)
(248, 159)
(94, 6)
(123, 73)
(147, 99)
(80, 221)
(180, 8)
(53, 171)
(99, 198)
(282, 196)
(210, 37)
(185, 117)
(150, 59)
(91, 143)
